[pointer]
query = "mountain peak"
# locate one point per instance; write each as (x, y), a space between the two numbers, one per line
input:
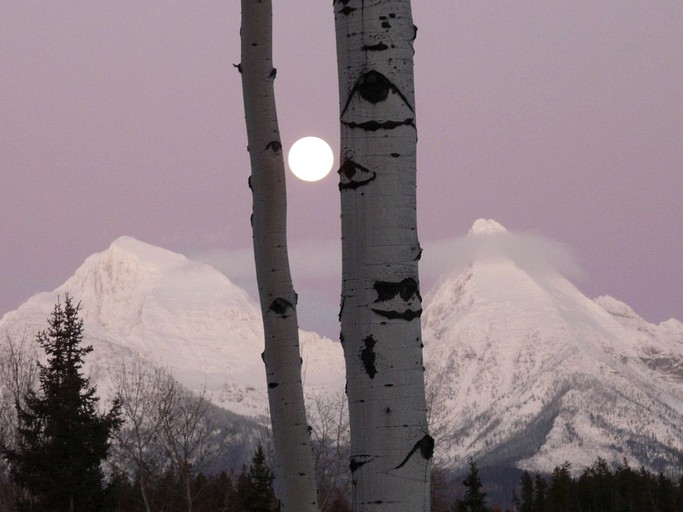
(144, 252)
(531, 372)
(140, 301)
(486, 227)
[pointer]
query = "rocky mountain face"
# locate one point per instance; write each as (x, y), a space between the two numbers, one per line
(526, 371)
(523, 370)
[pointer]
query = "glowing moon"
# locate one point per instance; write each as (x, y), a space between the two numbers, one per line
(310, 159)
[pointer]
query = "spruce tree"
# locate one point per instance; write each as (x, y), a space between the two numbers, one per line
(475, 497)
(255, 486)
(540, 491)
(527, 493)
(62, 439)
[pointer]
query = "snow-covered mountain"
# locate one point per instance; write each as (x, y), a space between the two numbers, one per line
(523, 369)
(527, 371)
(141, 301)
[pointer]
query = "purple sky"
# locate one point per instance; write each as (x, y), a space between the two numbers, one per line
(558, 118)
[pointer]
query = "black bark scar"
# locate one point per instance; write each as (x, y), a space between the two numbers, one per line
(379, 47)
(356, 175)
(373, 126)
(368, 357)
(374, 87)
(359, 461)
(407, 315)
(281, 307)
(426, 447)
(274, 145)
(406, 289)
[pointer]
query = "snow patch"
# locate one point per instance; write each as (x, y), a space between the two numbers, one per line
(486, 227)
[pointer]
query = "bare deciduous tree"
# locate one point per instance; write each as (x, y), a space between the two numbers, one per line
(330, 435)
(188, 437)
(146, 393)
(436, 395)
(166, 426)
(18, 375)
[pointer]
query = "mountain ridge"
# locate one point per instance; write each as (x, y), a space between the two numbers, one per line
(522, 368)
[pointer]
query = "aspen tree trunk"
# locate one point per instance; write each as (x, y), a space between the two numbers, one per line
(381, 303)
(294, 458)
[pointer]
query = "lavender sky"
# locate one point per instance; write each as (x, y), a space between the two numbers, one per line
(563, 119)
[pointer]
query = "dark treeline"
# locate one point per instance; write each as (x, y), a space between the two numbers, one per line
(598, 488)
(249, 490)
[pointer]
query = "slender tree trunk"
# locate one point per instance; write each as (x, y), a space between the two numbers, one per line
(381, 303)
(187, 482)
(143, 491)
(294, 458)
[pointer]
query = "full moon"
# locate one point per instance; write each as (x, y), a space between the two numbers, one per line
(310, 159)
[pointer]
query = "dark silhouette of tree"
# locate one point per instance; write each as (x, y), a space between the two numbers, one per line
(216, 493)
(255, 486)
(527, 493)
(475, 497)
(600, 488)
(666, 494)
(540, 491)
(560, 492)
(62, 439)
(533, 492)
(594, 487)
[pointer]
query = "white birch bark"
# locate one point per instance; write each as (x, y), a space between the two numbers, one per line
(294, 468)
(381, 303)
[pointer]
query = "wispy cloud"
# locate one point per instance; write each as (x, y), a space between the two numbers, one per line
(316, 267)
(530, 251)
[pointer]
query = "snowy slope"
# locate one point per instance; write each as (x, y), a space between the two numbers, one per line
(523, 369)
(143, 301)
(528, 371)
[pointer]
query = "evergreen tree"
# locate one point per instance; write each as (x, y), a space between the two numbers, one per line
(527, 493)
(62, 439)
(540, 490)
(560, 496)
(475, 497)
(255, 486)
(666, 494)
(679, 496)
